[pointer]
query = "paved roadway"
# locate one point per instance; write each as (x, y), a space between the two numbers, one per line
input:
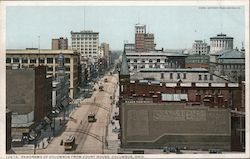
(90, 137)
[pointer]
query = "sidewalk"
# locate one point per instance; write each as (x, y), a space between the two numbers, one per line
(48, 135)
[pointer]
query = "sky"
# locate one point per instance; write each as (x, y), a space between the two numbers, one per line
(174, 27)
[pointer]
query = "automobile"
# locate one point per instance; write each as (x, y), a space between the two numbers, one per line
(170, 149)
(101, 88)
(105, 80)
(215, 151)
(116, 130)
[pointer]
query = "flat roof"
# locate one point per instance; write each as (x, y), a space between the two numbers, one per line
(155, 53)
(41, 51)
(200, 70)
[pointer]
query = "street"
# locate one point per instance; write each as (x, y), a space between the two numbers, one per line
(90, 137)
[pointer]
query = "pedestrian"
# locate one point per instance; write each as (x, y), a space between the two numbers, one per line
(81, 122)
(43, 145)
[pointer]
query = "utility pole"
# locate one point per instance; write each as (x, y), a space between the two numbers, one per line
(38, 50)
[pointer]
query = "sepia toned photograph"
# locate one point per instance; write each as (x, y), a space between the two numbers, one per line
(140, 80)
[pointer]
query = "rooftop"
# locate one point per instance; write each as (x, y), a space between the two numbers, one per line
(36, 51)
(84, 32)
(221, 36)
(231, 54)
(173, 70)
(156, 53)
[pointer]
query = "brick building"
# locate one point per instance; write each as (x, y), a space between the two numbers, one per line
(60, 44)
(144, 42)
(27, 58)
(165, 88)
(29, 93)
(197, 61)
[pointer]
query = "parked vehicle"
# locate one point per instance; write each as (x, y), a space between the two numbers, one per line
(215, 151)
(170, 149)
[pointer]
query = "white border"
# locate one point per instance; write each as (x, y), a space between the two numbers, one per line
(4, 4)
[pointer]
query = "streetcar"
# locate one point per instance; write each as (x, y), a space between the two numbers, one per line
(69, 143)
(91, 117)
(101, 88)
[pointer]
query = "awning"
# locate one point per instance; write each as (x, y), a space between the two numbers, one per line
(47, 120)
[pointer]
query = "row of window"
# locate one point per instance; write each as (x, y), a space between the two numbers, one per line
(232, 66)
(205, 77)
(34, 60)
(73, 39)
(56, 68)
(88, 49)
(85, 52)
(203, 92)
(143, 60)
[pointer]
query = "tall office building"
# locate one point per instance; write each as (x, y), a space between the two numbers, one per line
(143, 41)
(86, 43)
(200, 47)
(60, 44)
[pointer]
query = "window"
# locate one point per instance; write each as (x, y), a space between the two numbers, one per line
(199, 77)
(8, 60)
(198, 92)
(50, 68)
(162, 75)
(150, 66)
(49, 60)
(67, 68)
(135, 60)
(128, 60)
(67, 60)
(15, 59)
(41, 60)
(135, 66)
(205, 77)
(150, 60)
(178, 76)
(143, 61)
(32, 60)
(158, 60)
(171, 75)
(184, 76)
(211, 77)
(24, 60)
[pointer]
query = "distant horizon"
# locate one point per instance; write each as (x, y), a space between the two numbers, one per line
(173, 27)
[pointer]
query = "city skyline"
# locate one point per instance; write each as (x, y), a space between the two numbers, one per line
(174, 27)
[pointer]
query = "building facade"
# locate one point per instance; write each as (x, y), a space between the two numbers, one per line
(197, 61)
(220, 42)
(137, 61)
(32, 58)
(143, 41)
(86, 43)
(150, 125)
(60, 93)
(60, 44)
(29, 93)
(8, 130)
(228, 63)
(162, 107)
(200, 47)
